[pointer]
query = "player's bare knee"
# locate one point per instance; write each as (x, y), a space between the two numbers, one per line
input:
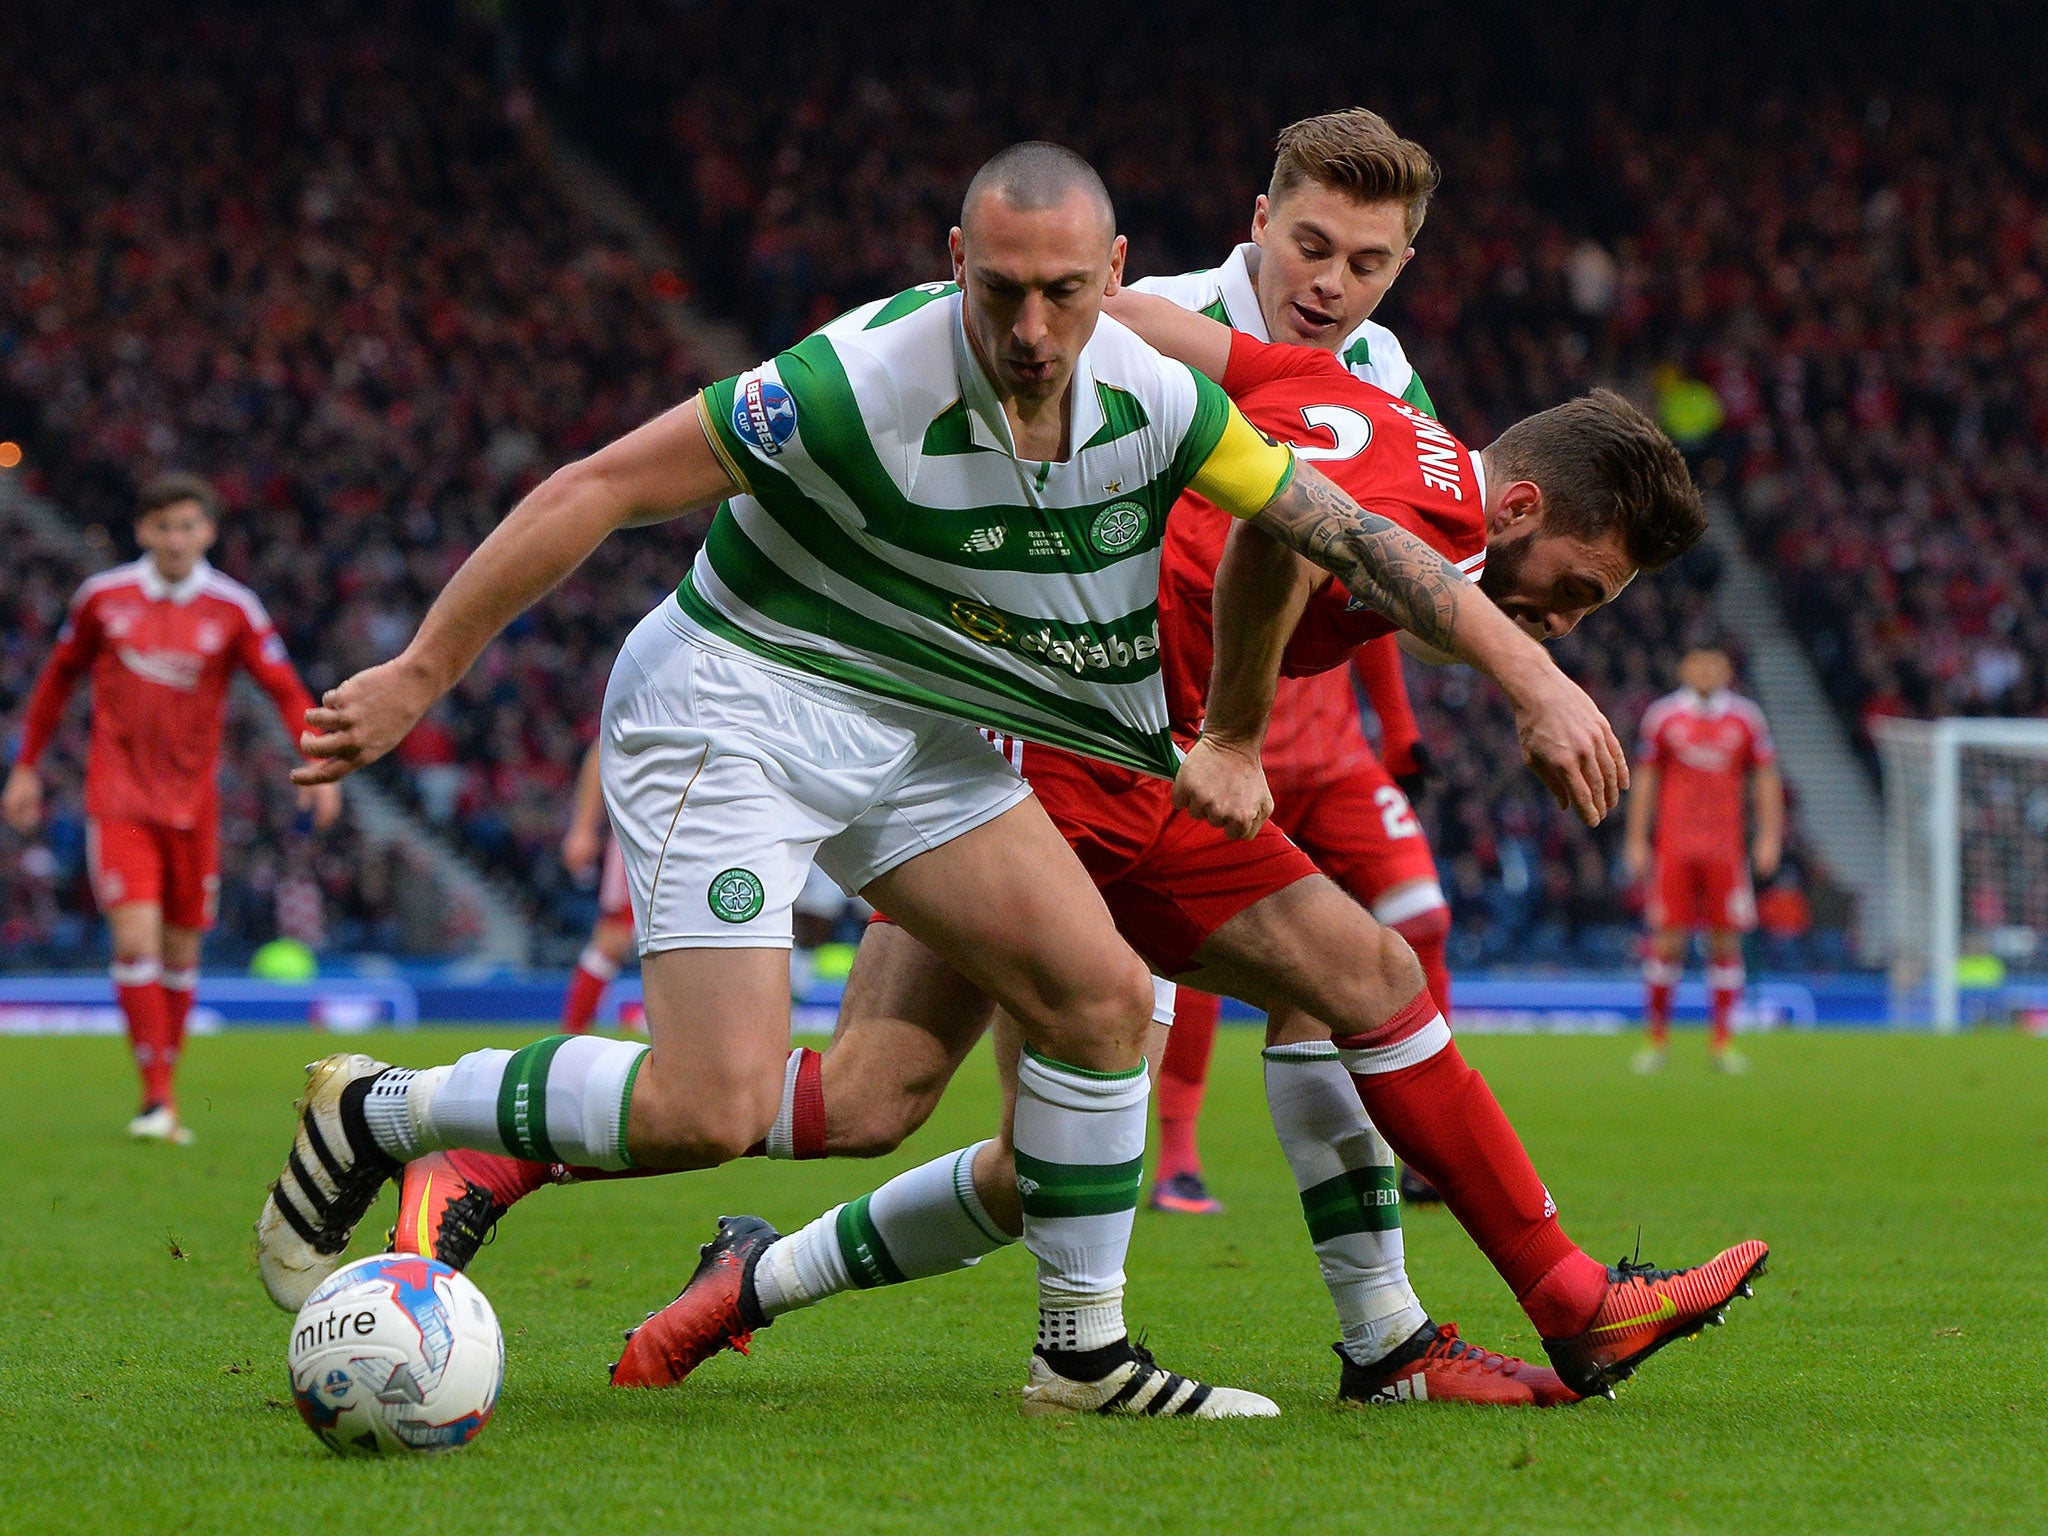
(875, 1129)
(704, 1142)
(1397, 963)
(995, 1183)
(698, 1130)
(1112, 1016)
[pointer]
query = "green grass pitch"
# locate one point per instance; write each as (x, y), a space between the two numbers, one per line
(1890, 1376)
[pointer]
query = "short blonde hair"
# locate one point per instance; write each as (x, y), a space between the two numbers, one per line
(1356, 152)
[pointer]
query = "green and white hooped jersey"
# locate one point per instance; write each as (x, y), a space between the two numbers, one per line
(1372, 352)
(893, 543)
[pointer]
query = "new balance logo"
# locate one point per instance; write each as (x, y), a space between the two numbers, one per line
(985, 541)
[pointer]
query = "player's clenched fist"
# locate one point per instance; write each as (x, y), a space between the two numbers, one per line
(1571, 747)
(361, 720)
(1225, 786)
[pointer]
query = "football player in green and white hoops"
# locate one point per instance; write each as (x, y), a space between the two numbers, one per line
(1332, 231)
(943, 511)
(1319, 260)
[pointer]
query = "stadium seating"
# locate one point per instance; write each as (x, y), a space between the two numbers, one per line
(338, 280)
(335, 280)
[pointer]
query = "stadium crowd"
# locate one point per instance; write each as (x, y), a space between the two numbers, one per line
(338, 279)
(1555, 257)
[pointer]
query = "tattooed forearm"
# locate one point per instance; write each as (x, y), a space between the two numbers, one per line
(1385, 566)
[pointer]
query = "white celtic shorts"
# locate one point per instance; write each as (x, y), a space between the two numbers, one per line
(727, 780)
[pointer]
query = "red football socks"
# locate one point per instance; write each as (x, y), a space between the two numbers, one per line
(1660, 977)
(1178, 1152)
(1183, 1079)
(594, 972)
(1724, 991)
(1440, 1116)
(1428, 933)
(138, 984)
(179, 988)
(509, 1179)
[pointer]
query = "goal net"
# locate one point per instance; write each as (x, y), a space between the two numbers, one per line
(1966, 835)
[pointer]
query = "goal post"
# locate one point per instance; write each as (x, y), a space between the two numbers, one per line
(1966, 844)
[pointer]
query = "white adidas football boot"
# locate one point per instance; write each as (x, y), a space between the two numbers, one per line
(326, 1188)
(1135, 1385)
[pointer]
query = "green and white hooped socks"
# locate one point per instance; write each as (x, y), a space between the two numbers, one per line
(1350, 1196)
(559, 1100)
(1080, 1139)
(926, 1222)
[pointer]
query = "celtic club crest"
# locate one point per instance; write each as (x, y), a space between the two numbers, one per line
(1118, 527)
(736, 896)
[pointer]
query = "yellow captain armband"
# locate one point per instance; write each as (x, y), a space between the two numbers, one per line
(1244, 471)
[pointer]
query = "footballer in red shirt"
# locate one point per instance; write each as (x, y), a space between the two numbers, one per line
(160, 639)
(1703, 750)
(1332, 232)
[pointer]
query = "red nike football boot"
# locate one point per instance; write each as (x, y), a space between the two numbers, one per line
(1436, 1366)
(1646, 1308)
(446, 1213)
(715, 1311)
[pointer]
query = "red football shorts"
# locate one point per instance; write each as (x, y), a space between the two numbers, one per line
(1690, 890)
(1359, 829)
(140, 861)
(1169, 879)
(614, 901)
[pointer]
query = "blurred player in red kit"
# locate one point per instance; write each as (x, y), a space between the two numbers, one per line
(1701, 747)
(588, 840)
(160, 638)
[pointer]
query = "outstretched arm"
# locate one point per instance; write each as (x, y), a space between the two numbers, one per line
(21, 803)
(584, 840)
(1767, 801)
(1642, 809)
(1377, 666)
(1565, 738)
(1203, 344)
(657, 471)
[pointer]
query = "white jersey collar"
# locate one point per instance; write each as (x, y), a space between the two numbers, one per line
(988, 426)
(1241, 303)
(1710, 704)
(156, 589)
(1240, 297)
